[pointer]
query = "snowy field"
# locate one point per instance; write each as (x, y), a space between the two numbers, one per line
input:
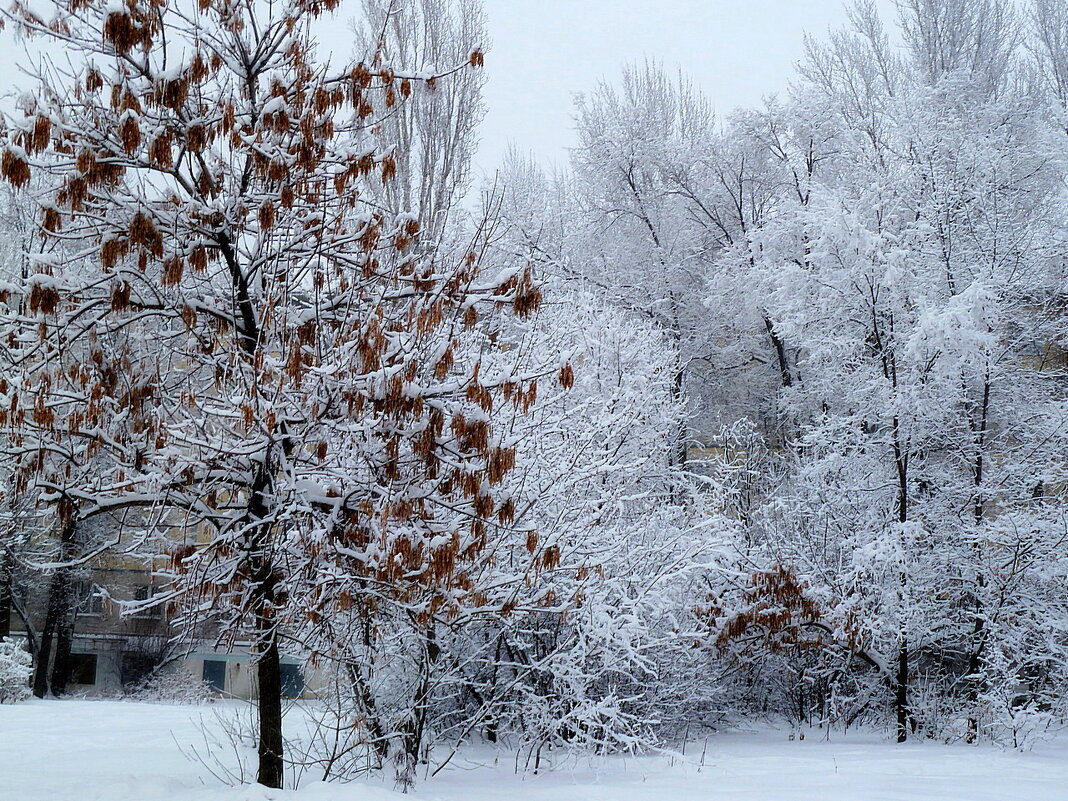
(117, 751)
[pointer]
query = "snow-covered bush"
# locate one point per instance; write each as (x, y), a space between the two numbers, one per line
(15, 668)
(172, 687)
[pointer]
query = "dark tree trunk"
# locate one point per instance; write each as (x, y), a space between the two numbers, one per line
(682, 430)
(52, 672)
(268, 675)
(264, 582)
(785, 376)
(901, 691)
(269, 695)
(975, 681)
(61, 663)
(44, 651)
(901, 679)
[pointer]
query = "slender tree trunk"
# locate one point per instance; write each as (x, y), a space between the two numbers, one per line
(375, 731)
(974, 680)
(414, 730)
(901, 679)
(785, 376)
(6, 569)
(27, 623)
(682, 430)
(361, 685)
(901, 691)
(680, 452)
(979, 625)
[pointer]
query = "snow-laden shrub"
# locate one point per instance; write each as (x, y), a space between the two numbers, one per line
(15, 668)
(172, 687)
(1022, 702)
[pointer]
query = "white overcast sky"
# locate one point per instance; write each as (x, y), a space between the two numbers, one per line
(542, 52)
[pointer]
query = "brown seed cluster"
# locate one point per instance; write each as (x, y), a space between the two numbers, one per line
(778, 614)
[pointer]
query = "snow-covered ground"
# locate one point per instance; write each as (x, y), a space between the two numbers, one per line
(116, 751)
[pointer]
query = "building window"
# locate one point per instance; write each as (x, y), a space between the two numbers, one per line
(214, 674)
(145, 593)
(88, 600)
(292, 681)
(83, 668)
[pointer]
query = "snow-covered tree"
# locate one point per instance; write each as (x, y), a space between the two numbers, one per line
(221, 332)
(637, 240)
(436, 137)
(917, 283)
